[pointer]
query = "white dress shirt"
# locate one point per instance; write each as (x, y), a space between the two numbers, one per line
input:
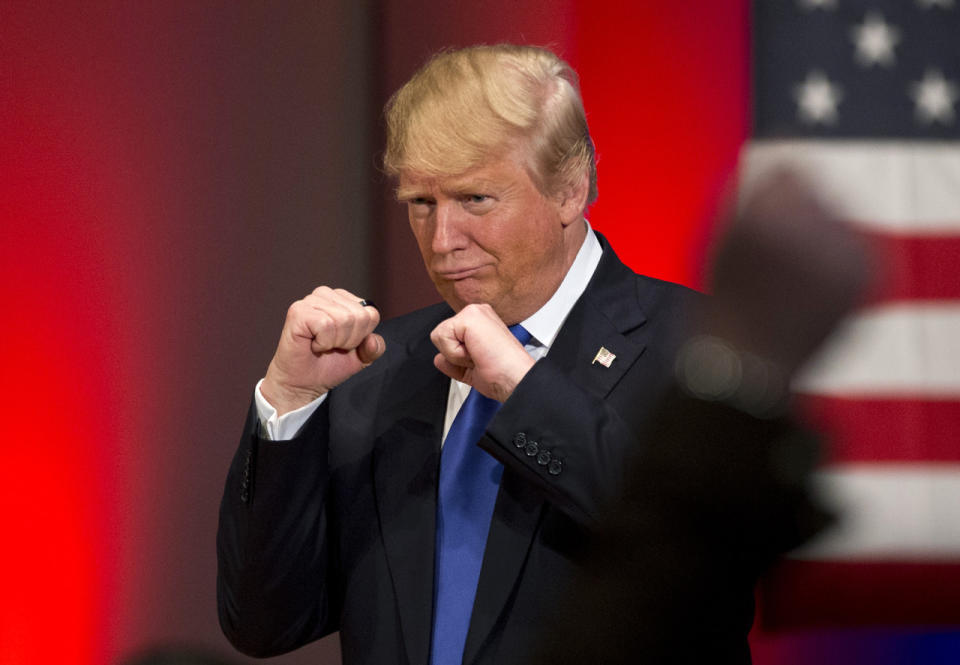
(543, 327)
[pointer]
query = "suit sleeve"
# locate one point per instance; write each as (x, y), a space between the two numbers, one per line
(572, 445)
(274, 563)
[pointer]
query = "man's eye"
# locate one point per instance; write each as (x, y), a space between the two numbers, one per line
(478, 204)
(420, 201)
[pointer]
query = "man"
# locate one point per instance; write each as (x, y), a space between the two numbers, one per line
(353, 518)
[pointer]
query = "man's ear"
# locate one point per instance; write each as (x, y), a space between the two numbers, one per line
(573, 200)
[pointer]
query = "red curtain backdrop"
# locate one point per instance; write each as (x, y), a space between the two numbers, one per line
(173, 175)
(667, 92)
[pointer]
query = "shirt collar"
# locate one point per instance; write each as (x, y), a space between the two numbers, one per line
(545, 323)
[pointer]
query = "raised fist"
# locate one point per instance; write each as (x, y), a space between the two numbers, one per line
(477, 348)
(327, 338)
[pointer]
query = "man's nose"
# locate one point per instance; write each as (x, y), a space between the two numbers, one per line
(448, 231)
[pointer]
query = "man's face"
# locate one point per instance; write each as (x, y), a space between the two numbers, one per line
(489, 236)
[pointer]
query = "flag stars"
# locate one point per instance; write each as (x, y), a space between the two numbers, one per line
(875, 40)
(817, 99)
(934, 97)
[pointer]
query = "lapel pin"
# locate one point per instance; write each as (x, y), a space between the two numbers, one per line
(604, 357)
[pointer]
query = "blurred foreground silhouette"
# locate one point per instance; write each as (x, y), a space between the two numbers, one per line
(719, 486)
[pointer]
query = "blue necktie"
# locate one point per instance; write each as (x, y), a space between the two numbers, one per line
(469, 481)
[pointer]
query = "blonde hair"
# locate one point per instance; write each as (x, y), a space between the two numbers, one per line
(466, 105)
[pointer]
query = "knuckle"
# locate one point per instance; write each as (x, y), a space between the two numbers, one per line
(326, 319)
(294, 310)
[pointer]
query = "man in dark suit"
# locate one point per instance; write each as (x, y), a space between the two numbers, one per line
(343, 521)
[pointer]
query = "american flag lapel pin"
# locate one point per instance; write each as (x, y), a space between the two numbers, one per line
(604, 357)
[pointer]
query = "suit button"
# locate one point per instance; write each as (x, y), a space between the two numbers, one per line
(543, 458)
(555, 467)
(519, 439)
(244, 496)
(532, 449)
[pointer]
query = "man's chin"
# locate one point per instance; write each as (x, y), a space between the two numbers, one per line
(458, 295)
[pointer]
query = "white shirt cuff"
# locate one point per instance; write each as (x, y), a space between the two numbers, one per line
(287, 426)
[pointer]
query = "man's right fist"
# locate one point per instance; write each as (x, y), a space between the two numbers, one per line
(327, 338)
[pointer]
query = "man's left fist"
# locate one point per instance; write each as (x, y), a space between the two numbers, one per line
(477, 348)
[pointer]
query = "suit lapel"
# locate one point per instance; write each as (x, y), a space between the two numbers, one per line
(405, 467)
(604, 316)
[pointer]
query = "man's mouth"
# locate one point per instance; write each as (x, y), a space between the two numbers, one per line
(458, 273)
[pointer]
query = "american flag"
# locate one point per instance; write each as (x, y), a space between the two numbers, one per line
(864, 97)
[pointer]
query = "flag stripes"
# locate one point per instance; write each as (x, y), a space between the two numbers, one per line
(897, 187)
(923, 267)
(878, 593)
(908, 349)
(905, 512)
(885, 429)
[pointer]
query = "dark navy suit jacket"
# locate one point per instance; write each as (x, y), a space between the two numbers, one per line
(334, 530)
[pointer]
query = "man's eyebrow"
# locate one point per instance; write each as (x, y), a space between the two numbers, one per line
(454, 188)
(406, 193)
(471, 187)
